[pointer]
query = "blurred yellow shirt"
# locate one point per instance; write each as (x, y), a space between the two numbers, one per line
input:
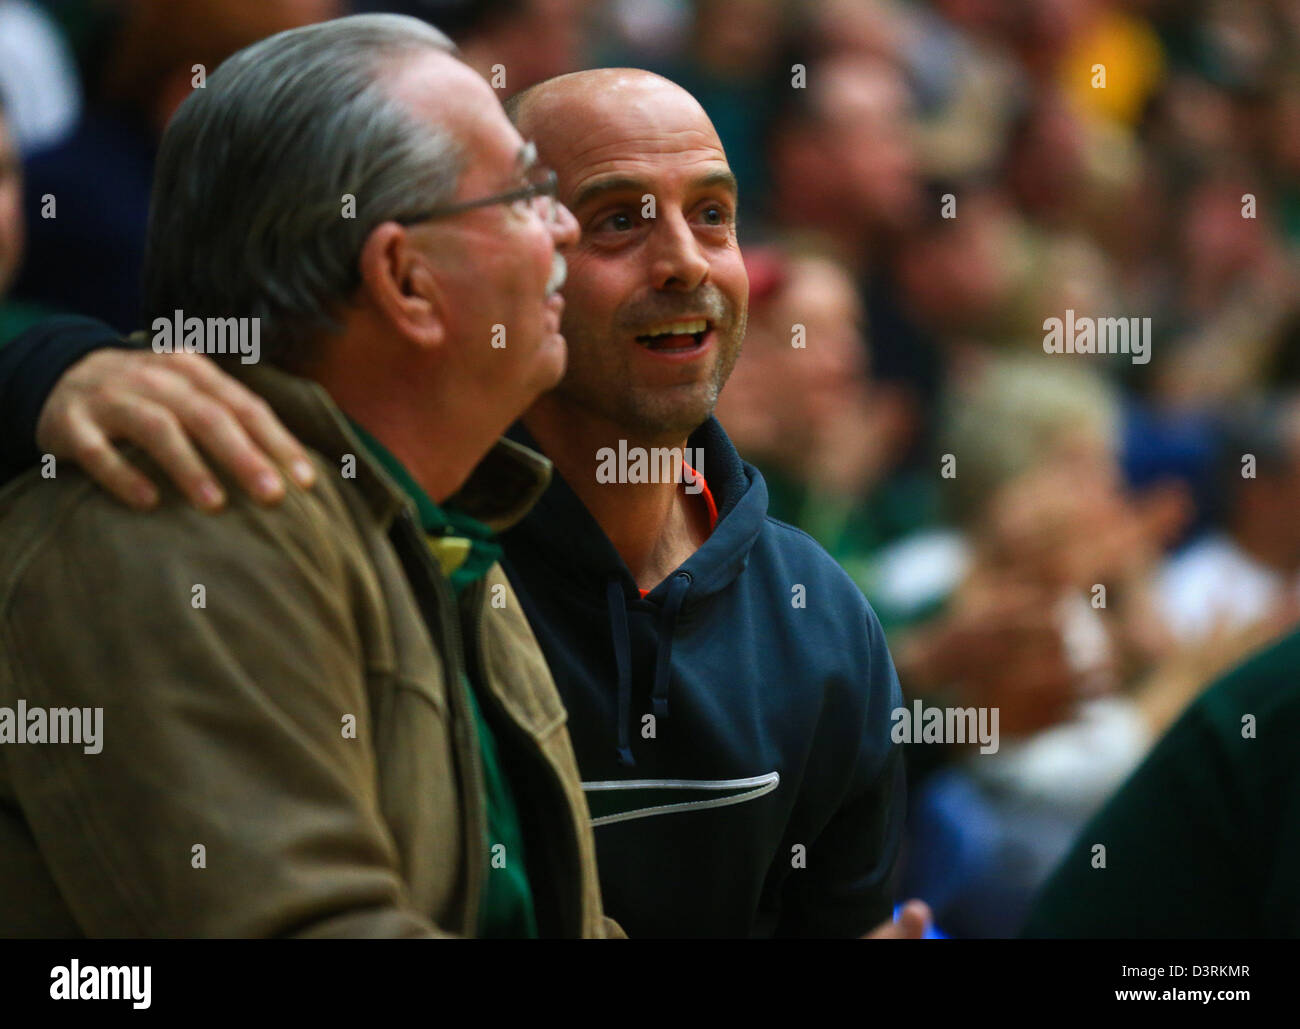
(1131, 54)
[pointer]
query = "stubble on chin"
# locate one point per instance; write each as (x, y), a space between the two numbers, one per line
(669, 412)
(600, 383)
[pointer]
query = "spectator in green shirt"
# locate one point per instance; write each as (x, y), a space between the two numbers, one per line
(1203, 841)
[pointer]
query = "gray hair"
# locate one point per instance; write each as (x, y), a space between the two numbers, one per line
(1010, 417)
(247, 217)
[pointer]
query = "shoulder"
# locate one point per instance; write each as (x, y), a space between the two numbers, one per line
(66, 535)
(1260, 697)
(827, 625)
(785, 550)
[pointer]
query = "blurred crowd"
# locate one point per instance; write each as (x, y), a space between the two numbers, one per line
(1079, 540)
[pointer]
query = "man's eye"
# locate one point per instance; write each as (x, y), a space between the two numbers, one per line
(716, 214)
(619, 221)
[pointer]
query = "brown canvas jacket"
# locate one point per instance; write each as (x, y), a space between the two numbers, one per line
(231, 654)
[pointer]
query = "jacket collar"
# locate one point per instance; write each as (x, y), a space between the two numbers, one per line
(499, 492)
(562, 532)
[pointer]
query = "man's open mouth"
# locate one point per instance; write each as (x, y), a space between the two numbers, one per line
(679, 335)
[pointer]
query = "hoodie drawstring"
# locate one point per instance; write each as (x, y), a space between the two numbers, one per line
(623, 659)
(667, 628)
(617, 604)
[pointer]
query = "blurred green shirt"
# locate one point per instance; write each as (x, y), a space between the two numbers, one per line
(1203, 841)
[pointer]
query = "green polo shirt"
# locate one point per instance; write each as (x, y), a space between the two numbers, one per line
(1203, 841)
(465, 549)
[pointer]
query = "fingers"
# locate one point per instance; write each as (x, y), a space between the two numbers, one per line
(158, 432)
(215, 428)
(913, 920)
(99, 459)
(264, 430)
(172, 406)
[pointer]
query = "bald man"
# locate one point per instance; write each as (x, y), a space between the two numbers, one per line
(728, 688)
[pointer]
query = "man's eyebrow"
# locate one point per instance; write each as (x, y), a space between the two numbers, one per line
(608, 184)
(628, 184)
(722, 177)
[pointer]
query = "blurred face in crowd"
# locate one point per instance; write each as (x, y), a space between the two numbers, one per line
(737, 37)
(1033, 518)
(542, 39)
(866, 107)
(807, 404)
(856, 27)
(226, 25)
(11, 210)
(495, 265)
(852, 165)
(1218, 247)
(655, 301)
(781, 393)
(1047, 169)
(822, 298)
(150, 65)
(954, 273)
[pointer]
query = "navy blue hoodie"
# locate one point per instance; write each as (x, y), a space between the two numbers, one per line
(769, 799)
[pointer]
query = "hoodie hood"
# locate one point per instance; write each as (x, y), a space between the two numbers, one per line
(562, 534)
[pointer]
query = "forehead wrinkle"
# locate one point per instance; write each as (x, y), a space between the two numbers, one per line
(631, 147)
(632, 159)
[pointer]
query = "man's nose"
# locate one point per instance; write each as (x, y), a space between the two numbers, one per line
(676, 259)
(564, 226)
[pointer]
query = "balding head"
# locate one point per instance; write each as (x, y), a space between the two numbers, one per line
(572, 116)
(641, 166)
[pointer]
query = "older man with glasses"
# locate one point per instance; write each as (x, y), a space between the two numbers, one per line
(328, 717)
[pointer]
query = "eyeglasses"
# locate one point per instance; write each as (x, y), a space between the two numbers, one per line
(542, 185)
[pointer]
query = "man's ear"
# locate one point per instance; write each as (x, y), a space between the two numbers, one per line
(399, 283)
